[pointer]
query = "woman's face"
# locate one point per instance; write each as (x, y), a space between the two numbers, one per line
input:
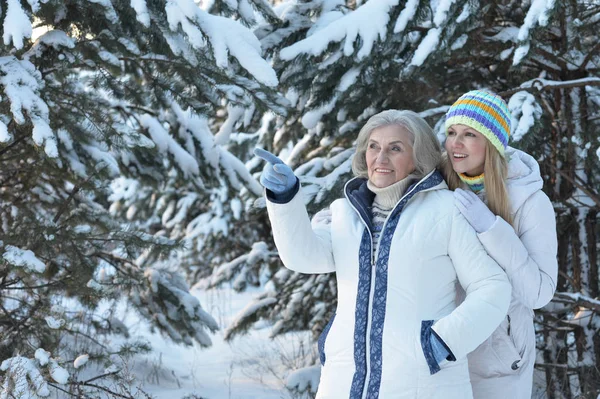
(389, 155)
(466, 149)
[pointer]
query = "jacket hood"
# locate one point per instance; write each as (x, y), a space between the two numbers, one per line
(524, 177)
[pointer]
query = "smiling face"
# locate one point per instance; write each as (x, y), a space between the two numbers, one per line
(466, 150)
(389, 155)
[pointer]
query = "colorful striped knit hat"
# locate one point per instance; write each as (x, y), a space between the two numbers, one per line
(485, 112)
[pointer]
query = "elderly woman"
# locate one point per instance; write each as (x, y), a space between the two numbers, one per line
(398, 246)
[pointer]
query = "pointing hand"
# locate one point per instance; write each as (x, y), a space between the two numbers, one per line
(277, 176)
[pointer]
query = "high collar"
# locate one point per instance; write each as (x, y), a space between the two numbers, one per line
(389, 196)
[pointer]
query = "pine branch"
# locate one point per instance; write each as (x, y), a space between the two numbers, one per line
(14, 143)
(75, 190)
(539, 85)
(588, 57)
(579, 300)
(593, 196)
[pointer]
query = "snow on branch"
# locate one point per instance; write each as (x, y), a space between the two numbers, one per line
(52, 39)
(225, 272)
(165, 299)
(23, 379)
(579, 300)
(539, 84)
(165, 143)
(141, 11)
(304, 379)
(21, 83)
(367, 23)
(23, 258)
(17, 25)
(538, 14)
(247, 315)
(525, 111)
(226, 36)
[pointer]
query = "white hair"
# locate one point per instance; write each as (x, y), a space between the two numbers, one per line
(427, 152)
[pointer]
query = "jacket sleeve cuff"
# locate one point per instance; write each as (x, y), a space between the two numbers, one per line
(284, 197)
(448, 353)
(432, 350)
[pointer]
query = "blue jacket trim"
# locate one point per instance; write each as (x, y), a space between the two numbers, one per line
(381, 283)
(360, 317)
(285, 197)
(434, 367)
(323, 338)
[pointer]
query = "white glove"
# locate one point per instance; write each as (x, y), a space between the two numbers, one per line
(474, 210)
(322, 217)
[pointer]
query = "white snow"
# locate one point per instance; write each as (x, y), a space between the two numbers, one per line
(520, 53)
(17, 25)
(19, 370)
(58, 373)
(368, 22)
(23, 258)
(4, 135)
(53, 38)
(349, 78)
(226, 36)
(141, 12)
(305, 379)
(81, 360)
(248, 311)
(312, 117)
(242, 368)
(441, 12)
(109, 11)
(525, 105)
(21, 83)
(53, 323)
(42, 356)
(460, 42)
(506, 34)
(234, 114)
(538, 13)
(465, 13)
(104, 158)
(166, 143)
(407, 13)
(426, 47)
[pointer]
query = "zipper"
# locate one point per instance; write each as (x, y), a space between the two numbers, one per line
(371, 293)
(508, 328)
(372, 285)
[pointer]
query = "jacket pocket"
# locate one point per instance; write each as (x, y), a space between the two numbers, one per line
(426, 335)
(323, 338)
(498, 355)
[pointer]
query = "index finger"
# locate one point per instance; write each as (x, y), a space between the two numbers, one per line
(267, 156)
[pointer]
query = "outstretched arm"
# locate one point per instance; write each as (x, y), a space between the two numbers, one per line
(302, 247)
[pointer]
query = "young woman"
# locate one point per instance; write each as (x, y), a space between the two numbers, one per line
(398, 246)
(499, 191)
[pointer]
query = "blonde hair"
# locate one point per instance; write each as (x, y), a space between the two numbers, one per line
(427, 152)
(495, 169)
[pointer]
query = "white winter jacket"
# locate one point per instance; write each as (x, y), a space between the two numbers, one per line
(502, 367)
(377, 345)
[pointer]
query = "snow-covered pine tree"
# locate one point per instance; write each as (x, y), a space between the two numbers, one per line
(107, 98)
(339, 63)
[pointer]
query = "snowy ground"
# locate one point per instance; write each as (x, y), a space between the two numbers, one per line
(251, 367)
